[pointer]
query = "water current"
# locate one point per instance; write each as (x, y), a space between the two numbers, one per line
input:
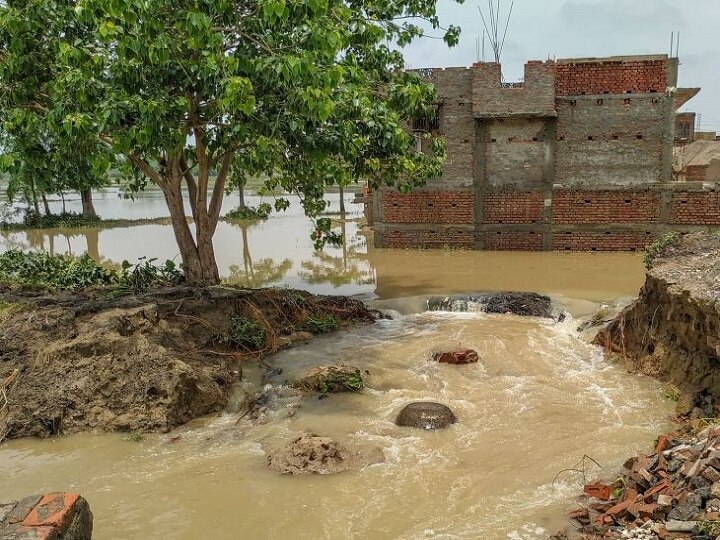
(539, 400)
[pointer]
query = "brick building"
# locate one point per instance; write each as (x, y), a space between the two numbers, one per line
(577, 157)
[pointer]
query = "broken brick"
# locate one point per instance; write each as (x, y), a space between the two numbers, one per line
(599, 491)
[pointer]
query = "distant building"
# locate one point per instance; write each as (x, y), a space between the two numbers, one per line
(577, 157)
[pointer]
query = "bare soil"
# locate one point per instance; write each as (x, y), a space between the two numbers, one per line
(73, 362)
(672, 331)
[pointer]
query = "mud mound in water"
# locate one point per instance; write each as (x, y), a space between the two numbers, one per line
(84, 361)
(517, 303)
(313, 454)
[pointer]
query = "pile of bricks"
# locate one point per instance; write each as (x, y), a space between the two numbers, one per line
(672, 494)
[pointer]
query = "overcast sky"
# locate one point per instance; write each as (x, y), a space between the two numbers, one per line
(542, 29)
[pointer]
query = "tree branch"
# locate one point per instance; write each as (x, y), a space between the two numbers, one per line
(219, 189)
(191, 184)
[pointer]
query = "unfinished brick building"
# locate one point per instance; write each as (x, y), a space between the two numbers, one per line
(577, 157)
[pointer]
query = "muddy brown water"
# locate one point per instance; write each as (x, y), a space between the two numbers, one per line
(539, 399)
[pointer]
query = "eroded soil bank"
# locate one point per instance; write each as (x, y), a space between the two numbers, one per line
(73, 362)
(672, 331)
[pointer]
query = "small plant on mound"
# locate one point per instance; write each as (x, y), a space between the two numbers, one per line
(331, 380)
(243, 332)
(7, 309)
(144, 275)
(658, 247)
(64, 272)
(259, 212)
(322, 324)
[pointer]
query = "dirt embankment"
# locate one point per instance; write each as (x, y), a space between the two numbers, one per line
(672, 331)
(85, 361)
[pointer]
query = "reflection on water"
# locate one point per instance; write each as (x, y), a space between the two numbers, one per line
(280, 252)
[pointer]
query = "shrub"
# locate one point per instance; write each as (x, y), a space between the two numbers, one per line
(243, 332)
(57, 221)
(53, 271)
(322, 324)
(260, 212)
(145, 275)
(658, 247)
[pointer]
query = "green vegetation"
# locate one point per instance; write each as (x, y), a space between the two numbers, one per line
(67, 272)
(336, 381)
(139, 278)
(672, 393)
(136, 437)
(709, 528)
(243, 213)
(7, 309)
(58, 221)
(304, 94)
(658, 247)
(243, 332)
(322, 324)
(52, 271)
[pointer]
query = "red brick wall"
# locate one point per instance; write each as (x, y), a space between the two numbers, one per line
(696, 208)
(428, 207)
(577, 207)
(513, 208)
(429, 239)
(610, 77)
(596, 241)
(696, 173)
(513, 241)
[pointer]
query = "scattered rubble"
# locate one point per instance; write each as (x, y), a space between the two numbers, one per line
(672, 494)
(460, 356)
(54, 516)
(426, 415)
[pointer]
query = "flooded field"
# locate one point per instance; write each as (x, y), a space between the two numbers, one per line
(279, 252)
(538, 401)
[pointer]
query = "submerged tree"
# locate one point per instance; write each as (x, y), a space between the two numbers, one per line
(305, 93)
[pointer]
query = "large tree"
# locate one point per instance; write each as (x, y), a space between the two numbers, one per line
(39, 159)
(204, 93)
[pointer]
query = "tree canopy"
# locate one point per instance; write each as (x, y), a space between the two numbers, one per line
(199, 95)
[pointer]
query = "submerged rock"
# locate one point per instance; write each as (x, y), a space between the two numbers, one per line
(460, 356)
(426, 415)
(517, 303)
(312, 454)
(332, 379)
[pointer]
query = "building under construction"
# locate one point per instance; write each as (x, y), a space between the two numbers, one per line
(579, 156)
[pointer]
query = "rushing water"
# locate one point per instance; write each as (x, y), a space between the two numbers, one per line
(539, 400)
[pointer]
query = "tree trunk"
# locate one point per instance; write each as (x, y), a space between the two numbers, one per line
(241, 193)
(33, 193)
(342, 201)
(46, 205)
(88, 208)
(92, 237)
(198, 259)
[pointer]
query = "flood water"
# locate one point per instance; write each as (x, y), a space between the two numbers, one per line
(539, 400)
